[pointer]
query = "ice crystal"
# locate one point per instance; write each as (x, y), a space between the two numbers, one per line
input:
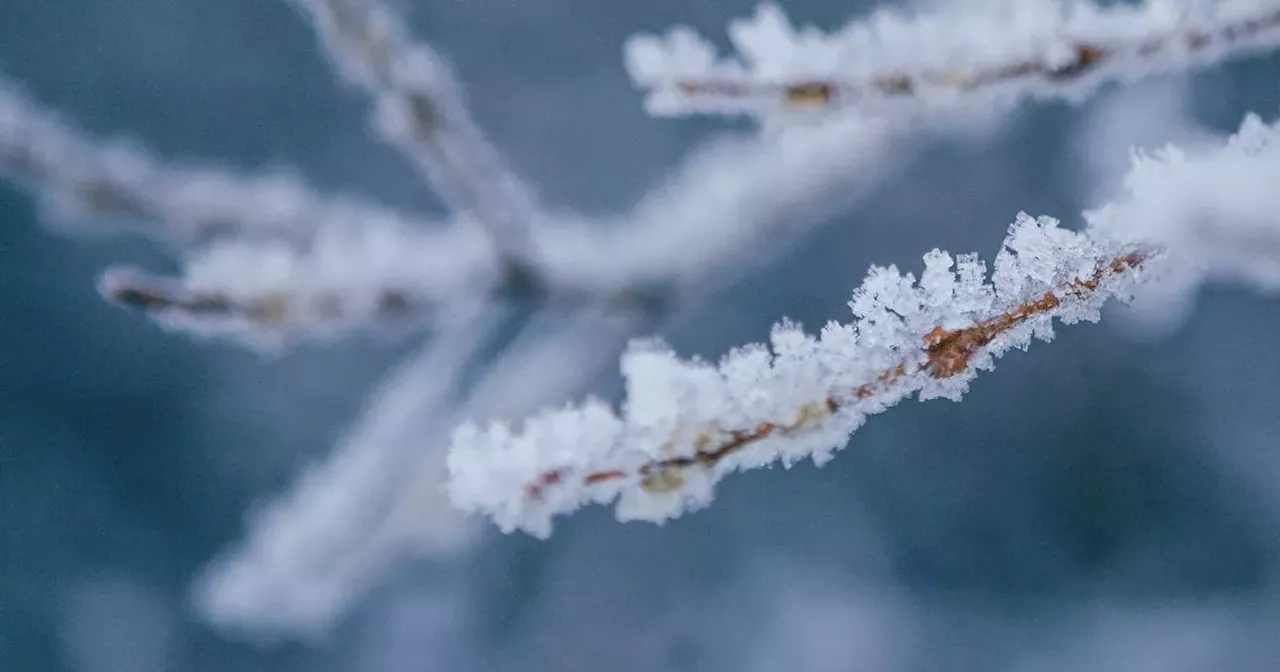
(687, 424)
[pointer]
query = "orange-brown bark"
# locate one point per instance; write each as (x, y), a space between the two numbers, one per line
(948, 354)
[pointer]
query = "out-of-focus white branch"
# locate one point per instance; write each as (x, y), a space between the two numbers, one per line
(313, 551)
(1141, 118)
(892, 63)
(117, 185)
(1217, 214)
(421, 111)
(379, 498)
(347, 276)
(264, 260)
(729, 200)
(686, 425)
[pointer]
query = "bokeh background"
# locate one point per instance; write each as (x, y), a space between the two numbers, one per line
(1108, 501)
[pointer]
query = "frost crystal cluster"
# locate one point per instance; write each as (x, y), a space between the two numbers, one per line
(686, 425)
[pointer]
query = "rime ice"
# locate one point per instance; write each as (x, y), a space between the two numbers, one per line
(1217, 213)
(687, 424)
(982, 53)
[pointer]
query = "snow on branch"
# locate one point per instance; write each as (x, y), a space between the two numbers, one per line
(118, 185)
(729, 200)
(421, 111)
(688, 424)
(348, 276)
(1217, 216)
(314, 550)
(264, 260)
(891, 61)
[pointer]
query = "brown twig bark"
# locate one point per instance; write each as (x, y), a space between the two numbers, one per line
(1088, 57)
(948, 353)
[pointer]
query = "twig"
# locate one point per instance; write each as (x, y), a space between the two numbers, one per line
(118, 183)
(421, 111)
(1062, 67)
(928, 337)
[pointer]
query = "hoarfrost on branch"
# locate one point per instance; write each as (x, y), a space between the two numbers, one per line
(268, 261)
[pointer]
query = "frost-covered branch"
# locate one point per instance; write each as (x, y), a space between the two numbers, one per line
(421, 111)
(348, 276)
(117, 185)
(686, 425)
(727, 202)
(730, 199)
(313, 550)
(321, 267)
(380, 274)
(1217, 215)
(753, 195)
(892, 62)
(263, 260)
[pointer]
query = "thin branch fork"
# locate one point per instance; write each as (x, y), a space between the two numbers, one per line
(421, 111)
(948, 353)
(1088, 58)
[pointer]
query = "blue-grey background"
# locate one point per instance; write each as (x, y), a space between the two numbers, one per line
(1108, 501)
